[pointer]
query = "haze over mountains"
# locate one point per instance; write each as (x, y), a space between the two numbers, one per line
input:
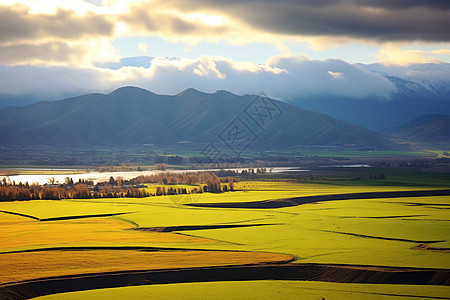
(134, 116)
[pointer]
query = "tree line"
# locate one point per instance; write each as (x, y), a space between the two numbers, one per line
(116, 187)
(10, 191)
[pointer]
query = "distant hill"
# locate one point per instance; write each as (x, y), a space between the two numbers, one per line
(428, 129)
(136, 116)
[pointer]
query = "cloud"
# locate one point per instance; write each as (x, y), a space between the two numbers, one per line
(432, 76)
(402, 4)
(68, 29)
(392, 54)
(367, 20)
(52, 81)
(20, 25)
(57, 53)
(308, 78)
(63, 36)
(282, 77)
(441, 52)
(174, 24)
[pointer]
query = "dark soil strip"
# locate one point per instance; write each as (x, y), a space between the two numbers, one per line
(428, 205)
(428, 248)
(315, 272)
(81, 217)
(196, 227)
(278, 203)
(19, 214)
(394, 217)
(134, 248)
(62, 218)
(385, 217)
(384, 238)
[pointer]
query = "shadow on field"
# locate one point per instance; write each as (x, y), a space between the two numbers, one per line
(196, 227)
(63, 218)
(384, 238)
(295, 201)
(315, 272)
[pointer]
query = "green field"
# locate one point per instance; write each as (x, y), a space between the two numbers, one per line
(406, 232)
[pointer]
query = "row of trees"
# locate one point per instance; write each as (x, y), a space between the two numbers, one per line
(116, 188)
(78, 191)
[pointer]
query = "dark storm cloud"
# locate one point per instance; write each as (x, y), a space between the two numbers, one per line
(18, 24)
(388, 4)
(381, 20)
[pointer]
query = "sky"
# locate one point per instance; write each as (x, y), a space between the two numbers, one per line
(284, 48)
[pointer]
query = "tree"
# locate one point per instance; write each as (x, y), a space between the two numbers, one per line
(68, 181)
(161, 167)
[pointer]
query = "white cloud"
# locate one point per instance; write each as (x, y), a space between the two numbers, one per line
(441, 52)
(282, 77)
(392, 54)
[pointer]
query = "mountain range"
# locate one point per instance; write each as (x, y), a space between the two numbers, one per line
(134, 116)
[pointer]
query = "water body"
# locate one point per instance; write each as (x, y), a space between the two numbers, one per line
(104, 176)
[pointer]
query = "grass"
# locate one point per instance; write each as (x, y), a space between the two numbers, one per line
(397, 177)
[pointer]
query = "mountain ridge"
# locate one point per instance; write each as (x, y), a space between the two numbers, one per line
(427, 129)
(131, 115)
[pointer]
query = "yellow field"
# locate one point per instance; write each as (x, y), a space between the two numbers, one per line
(17, 267)
(403, 232)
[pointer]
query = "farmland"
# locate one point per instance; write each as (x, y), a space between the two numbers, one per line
(348, 245)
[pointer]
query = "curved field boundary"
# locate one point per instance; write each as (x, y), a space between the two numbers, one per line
(295, 201)
(385, 238)
(19, 214)
(315, 272)
(198, 227)
(138, 248)
(65, 217)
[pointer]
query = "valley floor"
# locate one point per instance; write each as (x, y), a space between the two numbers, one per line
(393, 245)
